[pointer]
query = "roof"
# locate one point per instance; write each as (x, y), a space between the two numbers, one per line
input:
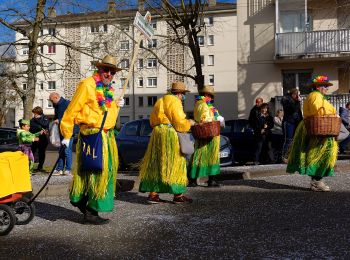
(124, 14)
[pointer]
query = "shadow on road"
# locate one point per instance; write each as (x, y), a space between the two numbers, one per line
(53, 212)
(264, 185)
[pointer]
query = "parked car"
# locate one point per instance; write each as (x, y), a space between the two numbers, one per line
(8, 139)
(133, 139)
(241, 137)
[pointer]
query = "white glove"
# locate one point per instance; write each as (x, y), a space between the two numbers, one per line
(221, 119)
(65, 142)
(120, 102)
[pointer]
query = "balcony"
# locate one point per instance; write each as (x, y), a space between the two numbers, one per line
(313, 44)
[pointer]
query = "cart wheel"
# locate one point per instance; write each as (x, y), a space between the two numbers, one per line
(7, 219)
(24, 212)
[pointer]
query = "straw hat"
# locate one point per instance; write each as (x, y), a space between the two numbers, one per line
(178, 87)
(108, 61)
(320, 80)
(207, 90)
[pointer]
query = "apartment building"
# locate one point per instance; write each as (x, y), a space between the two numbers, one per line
(282, 43)
(95, 34)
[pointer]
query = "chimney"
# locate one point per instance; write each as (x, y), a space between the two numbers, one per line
(111, 7)
(212, 2)
(141, 5)
(51, 12)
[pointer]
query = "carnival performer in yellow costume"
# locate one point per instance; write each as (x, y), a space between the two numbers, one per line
(163, 169)
(93, 192)
(313, 155)
(206, 159)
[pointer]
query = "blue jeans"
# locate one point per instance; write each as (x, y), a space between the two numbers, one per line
(65, 161)
(288, 131)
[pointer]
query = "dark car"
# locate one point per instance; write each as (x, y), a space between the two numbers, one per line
(8, 139)
(241, 137)
(133, 139)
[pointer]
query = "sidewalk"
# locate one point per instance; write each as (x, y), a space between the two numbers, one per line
(59, 185)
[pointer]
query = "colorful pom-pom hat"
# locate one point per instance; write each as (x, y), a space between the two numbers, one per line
(320, 80)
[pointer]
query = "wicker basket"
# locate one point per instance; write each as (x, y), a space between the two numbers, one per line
(206, 130)
(323, 125)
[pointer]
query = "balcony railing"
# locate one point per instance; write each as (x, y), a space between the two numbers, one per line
(314, 42)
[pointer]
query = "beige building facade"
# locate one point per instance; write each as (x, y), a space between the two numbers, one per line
(283, 43)
(96, 34)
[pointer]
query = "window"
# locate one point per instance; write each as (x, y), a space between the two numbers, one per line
(49, 103)
(211, 40)
(41, 32)
(211, 79)
(140, 82)
(151, 63)
(94, 28)
(105, 28)
(146, 129)
(140, 116)
(296, 79)
(124, 45)
(124, 119)
(202, 60)
(131, 128)
(124, 63)
(25, 51)
(52, 31)
(127, 101)
(140, 101)
(211, 60)
(24, 66)
(141, 44)
(122, 83)
(41, 86)
(52, 85)
(52, 48)
(152, 82)
(41, 49)
(51, 66)
(24, 86)
(152, 43)
(151, 100)
(200, 40)
(210, 21)
(140, 63)
(153, 24)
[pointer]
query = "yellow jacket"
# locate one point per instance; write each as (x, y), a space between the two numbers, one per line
(313, 103)
(169, 110)
(202, 113)
(84, 110)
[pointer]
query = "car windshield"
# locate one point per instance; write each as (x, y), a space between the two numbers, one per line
(223, 140)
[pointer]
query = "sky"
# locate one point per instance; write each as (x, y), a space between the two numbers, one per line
(64, 6)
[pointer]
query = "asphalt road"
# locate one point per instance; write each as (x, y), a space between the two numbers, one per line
(264, 218)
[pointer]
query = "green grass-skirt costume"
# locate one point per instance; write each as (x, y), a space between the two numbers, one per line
(206, 159)
(163, 168)
(311, 155)
(98, 187)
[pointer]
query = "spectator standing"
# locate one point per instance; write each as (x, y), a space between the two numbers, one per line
(93, 192)
(291, 119)
(345, 118)
(277, 123)
(64, 165)
(37, 123)
(254, 112)
(262, 133)
(314, 156)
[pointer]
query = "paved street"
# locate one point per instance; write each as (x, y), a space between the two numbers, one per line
(271, 218)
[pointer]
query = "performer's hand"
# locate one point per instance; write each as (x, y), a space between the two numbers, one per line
(221, 119)
(120, 102)
(192, 122)
(65, 142)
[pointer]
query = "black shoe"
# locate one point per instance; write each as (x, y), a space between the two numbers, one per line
(192, 184)
(214, 184)
(94, 219)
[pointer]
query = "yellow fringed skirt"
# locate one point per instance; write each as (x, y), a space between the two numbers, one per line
(163, 168)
